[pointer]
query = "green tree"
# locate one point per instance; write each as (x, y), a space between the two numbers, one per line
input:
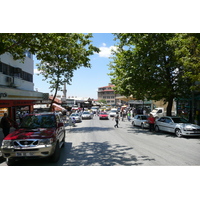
(61, 55)
(145, 66)
(17, 43)
(187, 50)
(103, 101)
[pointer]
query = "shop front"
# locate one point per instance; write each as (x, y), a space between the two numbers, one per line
(17, 102)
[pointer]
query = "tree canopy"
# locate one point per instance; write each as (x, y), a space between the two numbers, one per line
(59, 53)
(149, 66)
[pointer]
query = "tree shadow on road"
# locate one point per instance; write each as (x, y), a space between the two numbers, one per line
(93, 154)
(102, 154)
(88, 129)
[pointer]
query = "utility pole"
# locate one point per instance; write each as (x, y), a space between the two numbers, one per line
(65, 91)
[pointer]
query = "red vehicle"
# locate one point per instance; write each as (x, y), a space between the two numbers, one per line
(103, 115)
(38, 136)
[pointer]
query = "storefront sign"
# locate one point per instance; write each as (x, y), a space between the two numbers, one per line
(3, 95)
(10, 103)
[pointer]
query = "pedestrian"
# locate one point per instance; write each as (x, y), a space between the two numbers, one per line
(151, 121)
(129, 116)
(144, 111)
(116, 120)
(5, 124)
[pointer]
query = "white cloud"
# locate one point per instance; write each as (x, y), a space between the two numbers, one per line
(106, 51)
(36, 71)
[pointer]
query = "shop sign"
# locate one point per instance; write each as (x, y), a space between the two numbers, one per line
(3, 95)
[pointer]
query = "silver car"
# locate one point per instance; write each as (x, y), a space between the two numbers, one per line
(87, 115)
(177, 125)
(76, 116)
(140, 120)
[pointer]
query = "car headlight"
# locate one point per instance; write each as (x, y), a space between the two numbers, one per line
(188, 128)
(6, 143)
(46, 141)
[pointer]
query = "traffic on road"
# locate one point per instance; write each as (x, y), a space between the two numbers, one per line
(95, 142)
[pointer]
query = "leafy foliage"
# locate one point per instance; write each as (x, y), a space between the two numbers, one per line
(146, 67)
(59, 53)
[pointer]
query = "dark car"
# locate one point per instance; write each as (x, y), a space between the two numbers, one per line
(38, 136)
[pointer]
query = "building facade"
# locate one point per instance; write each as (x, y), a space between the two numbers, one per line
(16, 85)
(108, 94)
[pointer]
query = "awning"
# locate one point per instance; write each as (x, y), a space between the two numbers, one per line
(58, 107)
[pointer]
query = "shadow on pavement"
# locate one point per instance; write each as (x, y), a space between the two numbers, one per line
(92, 154)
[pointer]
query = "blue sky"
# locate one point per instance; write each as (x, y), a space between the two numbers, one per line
(86, 81)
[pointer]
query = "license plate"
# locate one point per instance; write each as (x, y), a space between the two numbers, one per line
(23, 154)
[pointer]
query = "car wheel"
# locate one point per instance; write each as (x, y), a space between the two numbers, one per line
(157, 128)
(10, 161)
(56, 154)
(63, 141)
(178, 133)
(133, 123)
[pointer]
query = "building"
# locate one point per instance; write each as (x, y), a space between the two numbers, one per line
(16, 86)
(107, 93)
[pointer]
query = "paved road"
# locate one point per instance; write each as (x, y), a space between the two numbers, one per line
(97, 143)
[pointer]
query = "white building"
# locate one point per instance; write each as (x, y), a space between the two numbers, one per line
(16, 85)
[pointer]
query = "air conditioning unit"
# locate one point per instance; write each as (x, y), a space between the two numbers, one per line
(8, 79)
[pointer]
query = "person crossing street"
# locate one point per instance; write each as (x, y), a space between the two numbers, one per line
(116, 120)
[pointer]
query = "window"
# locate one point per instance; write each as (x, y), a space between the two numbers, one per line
(167, 120)
(1, 66)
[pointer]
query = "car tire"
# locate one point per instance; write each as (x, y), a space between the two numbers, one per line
(56, 154)
(178, 132)
(10, 161)
(133, 123)
(63, 141)
(157, 128)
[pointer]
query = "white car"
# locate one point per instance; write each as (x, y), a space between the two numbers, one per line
(87, 115)
(77, 117)
(113, 112)
(177, 125)
(140, 120)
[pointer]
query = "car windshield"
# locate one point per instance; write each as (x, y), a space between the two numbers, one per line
(103, 113)
(113, 111)
(143, 117)
(75, 114)
(86, 113)
(179, 120)
(38, 121)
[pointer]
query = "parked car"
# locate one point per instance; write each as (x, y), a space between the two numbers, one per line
(39, 135)
(113, 112)
(77, 117)
(103, 115)
(140, 120)
(177, 125)
(87, 115)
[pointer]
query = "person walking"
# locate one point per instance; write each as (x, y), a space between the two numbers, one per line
(116, 120)
(5, 124)
(129, 115)
(151, 121)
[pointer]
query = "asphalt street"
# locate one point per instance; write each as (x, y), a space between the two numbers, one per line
(97, 143)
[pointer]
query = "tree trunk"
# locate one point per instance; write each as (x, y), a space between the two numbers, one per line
(169, 106)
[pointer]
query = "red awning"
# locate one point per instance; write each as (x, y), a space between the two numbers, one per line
(58, 107)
